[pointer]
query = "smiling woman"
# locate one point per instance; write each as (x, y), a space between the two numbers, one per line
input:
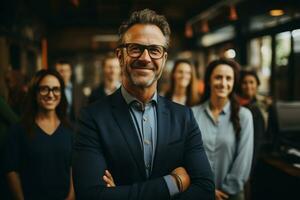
(38, 153)
(183, 88)
(227, 130)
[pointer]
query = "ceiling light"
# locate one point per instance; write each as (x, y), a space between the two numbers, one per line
(276, 12)
(232, 13)
(188, 31)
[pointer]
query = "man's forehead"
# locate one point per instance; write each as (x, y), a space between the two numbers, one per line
(144, 34)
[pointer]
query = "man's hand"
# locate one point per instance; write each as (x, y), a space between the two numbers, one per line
(108, 179)
(184, 181)
(221, 195)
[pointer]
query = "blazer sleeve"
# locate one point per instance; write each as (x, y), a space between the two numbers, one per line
(197, 165)
(89, 164)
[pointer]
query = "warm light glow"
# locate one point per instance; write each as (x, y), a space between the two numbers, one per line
(233, 14)
(44, 53)
(276, 12)
(188, 31)
(204, 27)
(75, 3)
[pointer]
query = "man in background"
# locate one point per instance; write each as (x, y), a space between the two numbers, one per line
(74, 92)
(111, 75)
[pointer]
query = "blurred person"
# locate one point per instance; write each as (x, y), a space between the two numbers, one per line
(248, 93)
(134, 144)
(247, 90)
(17, 89)
(227, 129)
(183, 87)
(38, 153)
(111, 74)
(7, 118)
(74, 92)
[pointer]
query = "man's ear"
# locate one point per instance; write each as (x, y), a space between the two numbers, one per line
(118, 53)
(165, 58)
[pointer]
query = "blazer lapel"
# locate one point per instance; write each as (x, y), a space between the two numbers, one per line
(163, 131)
(124, 120)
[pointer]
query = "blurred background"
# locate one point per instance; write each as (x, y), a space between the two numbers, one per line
(263, 35)
(260, 34)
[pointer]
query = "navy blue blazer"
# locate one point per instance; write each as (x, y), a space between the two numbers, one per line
(107, 139)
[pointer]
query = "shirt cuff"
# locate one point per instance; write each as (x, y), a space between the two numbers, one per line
(173, 188)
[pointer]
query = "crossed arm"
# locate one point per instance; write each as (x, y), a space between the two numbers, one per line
(179, 176)
(90, 163)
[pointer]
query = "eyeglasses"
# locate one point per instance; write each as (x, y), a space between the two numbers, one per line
(135, 50)
(45, 90)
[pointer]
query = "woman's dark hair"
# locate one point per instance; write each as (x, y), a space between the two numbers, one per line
(146, 16)
(243, 74)
(235, 106)
(192, 94)
(31, 105)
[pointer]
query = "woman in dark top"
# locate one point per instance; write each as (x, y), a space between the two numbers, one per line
(183, 88)
(38, 153)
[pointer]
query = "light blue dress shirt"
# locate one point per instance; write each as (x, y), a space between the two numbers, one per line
(144, 117)
(230, 159)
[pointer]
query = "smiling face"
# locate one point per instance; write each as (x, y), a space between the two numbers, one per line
(249, 86)
(221, 81)
(48, 101)
(143, 71)
(182, 75)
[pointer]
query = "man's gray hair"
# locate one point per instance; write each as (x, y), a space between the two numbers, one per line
(146, 16)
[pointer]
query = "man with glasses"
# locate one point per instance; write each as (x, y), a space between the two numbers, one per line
(135, 144)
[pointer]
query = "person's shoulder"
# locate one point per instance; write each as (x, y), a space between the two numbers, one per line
(173, 105)
(245, 113)
(103, 105)
(198, 109)
(97, 105)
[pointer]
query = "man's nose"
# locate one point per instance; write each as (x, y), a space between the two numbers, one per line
(145, 56)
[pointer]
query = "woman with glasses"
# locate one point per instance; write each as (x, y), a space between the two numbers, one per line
(38, 153)
(183, 88)
(227, 129)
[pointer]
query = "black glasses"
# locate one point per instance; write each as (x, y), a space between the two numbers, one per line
(135, 50)
(45, 90)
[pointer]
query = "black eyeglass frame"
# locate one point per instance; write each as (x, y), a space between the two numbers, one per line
(142, 48)
(56, 91)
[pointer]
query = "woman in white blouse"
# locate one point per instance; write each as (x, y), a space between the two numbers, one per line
(227, 129)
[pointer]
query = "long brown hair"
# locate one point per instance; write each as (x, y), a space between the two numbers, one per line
(31, 104)
(235, 107)
(192, 95)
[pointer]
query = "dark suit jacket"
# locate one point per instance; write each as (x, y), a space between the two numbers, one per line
(107, 139)
(97, 93)
(79, 100)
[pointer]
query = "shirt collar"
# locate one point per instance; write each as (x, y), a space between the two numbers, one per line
(226, 108)
(129, 98)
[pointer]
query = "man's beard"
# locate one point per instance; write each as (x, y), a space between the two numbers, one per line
(142, 84)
